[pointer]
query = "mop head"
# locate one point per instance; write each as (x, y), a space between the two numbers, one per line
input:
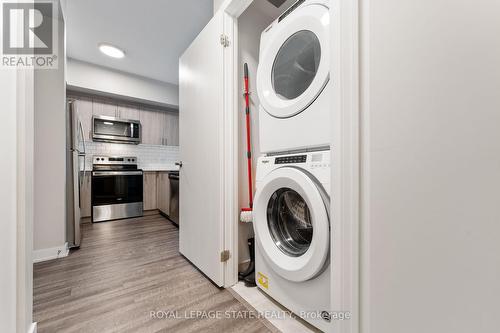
(246, 216)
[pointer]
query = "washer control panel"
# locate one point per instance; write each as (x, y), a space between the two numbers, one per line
(315, 162)
(291, 159)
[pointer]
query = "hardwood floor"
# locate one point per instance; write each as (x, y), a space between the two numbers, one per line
(124, 271)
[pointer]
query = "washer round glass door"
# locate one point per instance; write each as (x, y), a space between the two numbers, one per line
(289, 222)
(292, 224)
(294, 65)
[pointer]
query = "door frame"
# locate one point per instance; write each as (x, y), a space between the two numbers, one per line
(346, 179)
(345, 212)
(230, 209)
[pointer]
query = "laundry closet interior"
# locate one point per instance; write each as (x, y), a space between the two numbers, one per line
(287, 53)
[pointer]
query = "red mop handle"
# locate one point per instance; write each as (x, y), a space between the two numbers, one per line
(249, 147)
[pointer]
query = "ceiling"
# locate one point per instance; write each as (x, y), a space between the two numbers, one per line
(153, 33)
(270, 10)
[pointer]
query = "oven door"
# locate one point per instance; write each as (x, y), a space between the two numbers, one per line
(116, 195)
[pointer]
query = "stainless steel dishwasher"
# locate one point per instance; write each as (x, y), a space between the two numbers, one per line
(174, 196)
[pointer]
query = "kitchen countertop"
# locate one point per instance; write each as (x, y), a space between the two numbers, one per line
(159, 168)
(151, 168)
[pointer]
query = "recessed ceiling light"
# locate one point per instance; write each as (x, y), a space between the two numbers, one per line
(111, 51)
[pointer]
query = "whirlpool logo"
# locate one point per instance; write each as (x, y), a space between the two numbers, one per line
(30, 34)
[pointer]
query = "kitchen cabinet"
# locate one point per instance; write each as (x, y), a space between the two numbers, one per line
(102, 108)
(163, 192)
(149, 191)
(158, 127)
(128, 112)
(156, 192)
(84, 109)
(171, 129)
(85, 195)
(152, 123)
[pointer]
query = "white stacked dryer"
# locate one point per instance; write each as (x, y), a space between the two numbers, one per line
(292, 76)
(292, 201)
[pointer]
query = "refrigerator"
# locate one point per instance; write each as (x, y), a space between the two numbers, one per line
(75, 171)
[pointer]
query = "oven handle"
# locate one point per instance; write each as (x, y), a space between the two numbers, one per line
(116, 173)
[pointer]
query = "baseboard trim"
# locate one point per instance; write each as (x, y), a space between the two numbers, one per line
(51, 253)
(32, 328)
(150, 212)
(86, 219)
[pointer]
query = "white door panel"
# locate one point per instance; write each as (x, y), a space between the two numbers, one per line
(200, 112)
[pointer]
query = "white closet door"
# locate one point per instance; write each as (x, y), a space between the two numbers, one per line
(200, 111)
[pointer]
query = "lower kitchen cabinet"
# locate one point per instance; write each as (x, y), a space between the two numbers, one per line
(156, 192)
(85, 192)
(163, 190)
(149, 192)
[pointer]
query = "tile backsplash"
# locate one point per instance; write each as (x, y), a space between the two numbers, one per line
(150, 157)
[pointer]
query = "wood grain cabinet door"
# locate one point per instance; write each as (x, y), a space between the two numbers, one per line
(128, 112)
(104, 108)
(84, 109)
(163, 188)
(152, 127)
(171, 129)
(85, 195)
(149, 191)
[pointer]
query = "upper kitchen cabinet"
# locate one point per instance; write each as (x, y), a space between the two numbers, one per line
(128, 112)
(171, 129)
(159, 127)
(101, 108)
(84, 109)
(153, 123)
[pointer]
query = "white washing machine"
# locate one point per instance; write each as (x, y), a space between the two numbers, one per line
(292, 232)
(292, 76)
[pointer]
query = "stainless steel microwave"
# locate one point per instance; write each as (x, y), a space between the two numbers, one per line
(111, 129)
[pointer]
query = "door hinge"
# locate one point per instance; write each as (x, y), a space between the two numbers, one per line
(224, 256)
(224, 40)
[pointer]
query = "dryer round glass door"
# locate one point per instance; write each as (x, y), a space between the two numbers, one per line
(296, 65)
(294, 62)
(292, 224)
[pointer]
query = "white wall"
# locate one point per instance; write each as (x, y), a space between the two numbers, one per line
(250, 25)
(8, 192)
(25, 198)
(430, 166)
(86, 77)
(50, 155)
(217, 4)
(16, 237)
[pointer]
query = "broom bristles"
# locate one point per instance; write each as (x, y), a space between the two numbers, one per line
(246, 216)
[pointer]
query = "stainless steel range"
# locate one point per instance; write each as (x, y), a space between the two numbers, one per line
(117, 188)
